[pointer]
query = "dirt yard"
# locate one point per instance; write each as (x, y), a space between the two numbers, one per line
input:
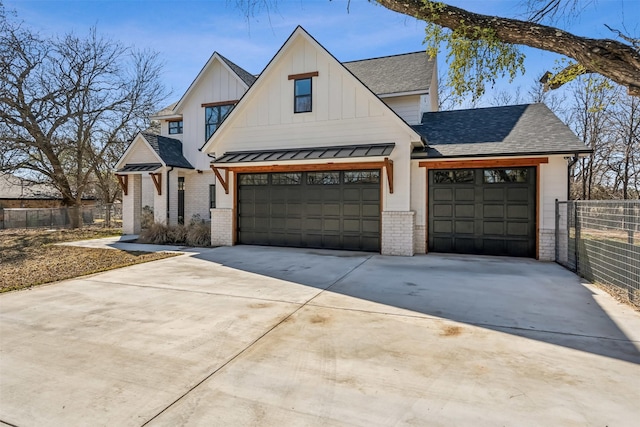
(30, 257)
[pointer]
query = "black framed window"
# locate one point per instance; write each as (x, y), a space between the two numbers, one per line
(360, 177)
(286, 178)
(213, 116)
(212, 197)
(175, 127)
(302, 95)
(254, 179)
(494, 176)
(323, 178)
(455, 176)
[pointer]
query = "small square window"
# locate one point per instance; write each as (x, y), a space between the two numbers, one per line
(175, 127)
(302, 96)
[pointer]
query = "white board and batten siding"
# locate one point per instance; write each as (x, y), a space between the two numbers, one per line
(217, 84)
(140, 153)
(343, 113)
(408, 107)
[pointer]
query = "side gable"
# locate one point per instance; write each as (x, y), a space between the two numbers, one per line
(148, 148)
(344, 111)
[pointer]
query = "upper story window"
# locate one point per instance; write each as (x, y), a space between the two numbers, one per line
(302, 95)
(175, 127)
(302, 99)
(213, 116)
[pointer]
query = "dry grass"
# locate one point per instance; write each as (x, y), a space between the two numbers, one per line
(29, 257)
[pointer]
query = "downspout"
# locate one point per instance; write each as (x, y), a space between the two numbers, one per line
(168, 188)
(572, 161)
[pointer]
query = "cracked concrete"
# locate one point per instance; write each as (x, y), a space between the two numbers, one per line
(278, 336)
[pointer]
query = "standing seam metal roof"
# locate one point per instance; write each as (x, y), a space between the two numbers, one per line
(313, 153)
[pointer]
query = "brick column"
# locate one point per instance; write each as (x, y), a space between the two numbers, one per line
(221, 227)
(420, 239)
(547, 245)
(398, 233)
(132, 206)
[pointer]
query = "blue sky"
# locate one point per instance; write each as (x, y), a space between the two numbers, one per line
(186, 33)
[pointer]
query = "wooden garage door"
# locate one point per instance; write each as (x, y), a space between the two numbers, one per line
(483, 211)
(327, 209)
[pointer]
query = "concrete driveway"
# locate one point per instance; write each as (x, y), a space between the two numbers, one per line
(285, 337)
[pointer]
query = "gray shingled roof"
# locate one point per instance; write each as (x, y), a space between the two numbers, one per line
(409, 72)
(169, 150)
(246, 76)
(512, 130)
(334, 152)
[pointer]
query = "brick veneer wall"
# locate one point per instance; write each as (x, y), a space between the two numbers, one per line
(221, 227)
(547, 245)
(132, 206)
(398, 233)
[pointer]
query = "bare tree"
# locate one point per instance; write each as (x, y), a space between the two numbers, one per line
(592, 101)
(69, 104)
(624, 160)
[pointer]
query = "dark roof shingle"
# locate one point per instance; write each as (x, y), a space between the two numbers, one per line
(244, 75)
(511, 130)
(169, 150)
(409, 72)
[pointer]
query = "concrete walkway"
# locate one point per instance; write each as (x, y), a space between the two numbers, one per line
(276, 336)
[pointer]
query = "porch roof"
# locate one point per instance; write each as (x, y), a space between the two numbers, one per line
(140, 167)
(307, 153)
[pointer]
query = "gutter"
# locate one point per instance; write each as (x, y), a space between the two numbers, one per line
(572, 161)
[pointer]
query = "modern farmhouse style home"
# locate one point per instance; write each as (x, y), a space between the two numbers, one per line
(322, 154)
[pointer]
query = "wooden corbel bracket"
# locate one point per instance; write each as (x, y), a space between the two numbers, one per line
(157, 181)
(123, 180)
(388, 165)
(224, 181)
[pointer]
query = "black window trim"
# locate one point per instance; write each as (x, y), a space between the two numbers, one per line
(310, 95)
(179, 125)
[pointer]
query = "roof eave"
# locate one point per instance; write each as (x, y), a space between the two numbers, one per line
(424, 156)
(407, 93)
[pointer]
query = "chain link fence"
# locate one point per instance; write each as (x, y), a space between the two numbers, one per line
(600, 241)
(96, 216)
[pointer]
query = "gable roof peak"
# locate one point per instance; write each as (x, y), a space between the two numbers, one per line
(245, 77)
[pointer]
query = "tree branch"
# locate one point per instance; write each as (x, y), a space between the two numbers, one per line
(610, 58)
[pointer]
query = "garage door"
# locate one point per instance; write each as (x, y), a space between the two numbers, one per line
(328, 209)
(483, 211)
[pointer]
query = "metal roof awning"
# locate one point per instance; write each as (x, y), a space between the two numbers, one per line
(313, 153)
(140, 167)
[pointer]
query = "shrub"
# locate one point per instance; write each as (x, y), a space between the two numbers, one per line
(177, 234)
(198, 234)
(146, 217)
(156, 234)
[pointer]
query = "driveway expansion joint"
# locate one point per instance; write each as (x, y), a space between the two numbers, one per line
(252, 343)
